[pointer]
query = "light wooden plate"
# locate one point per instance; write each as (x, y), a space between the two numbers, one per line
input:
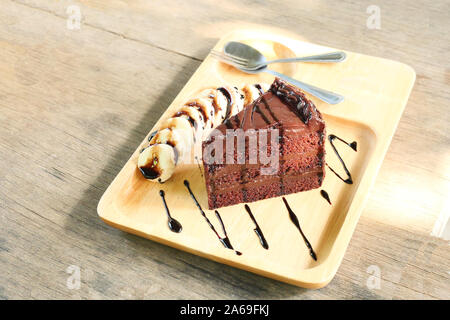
(376, 91)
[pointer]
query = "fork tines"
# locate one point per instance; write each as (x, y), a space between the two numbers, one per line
(229, 59)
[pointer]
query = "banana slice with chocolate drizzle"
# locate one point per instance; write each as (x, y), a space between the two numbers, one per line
(196, 118)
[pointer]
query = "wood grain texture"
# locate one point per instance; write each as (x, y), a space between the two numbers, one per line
(64, 135)
(376, 92)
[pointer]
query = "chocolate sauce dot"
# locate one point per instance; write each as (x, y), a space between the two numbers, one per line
(325, 195)
(173, 224)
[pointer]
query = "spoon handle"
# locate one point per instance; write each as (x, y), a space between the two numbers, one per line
(337, 56)
(322, 94)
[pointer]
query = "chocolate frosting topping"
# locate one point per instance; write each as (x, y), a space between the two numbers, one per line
(282, 103)
(294, 98)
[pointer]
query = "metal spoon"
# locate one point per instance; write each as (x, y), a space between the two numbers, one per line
(255, 59)
(322, 94)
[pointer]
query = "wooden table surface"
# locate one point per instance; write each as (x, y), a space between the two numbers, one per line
(75, 103)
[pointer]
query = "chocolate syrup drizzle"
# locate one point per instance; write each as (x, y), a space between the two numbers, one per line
(325, 195)
(294, 220)
(150, 173)
(225, 240)
(150, 137)
(189, 118)
(214, 103)
(352, 145)
(236, 120)
(257, 230)
(229, 98)
(258, 110)
(255, 107)
(228, 124)
(201, 109)
(258, 86)
(174, 225)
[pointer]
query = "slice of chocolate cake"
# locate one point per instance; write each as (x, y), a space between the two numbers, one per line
(273, 147)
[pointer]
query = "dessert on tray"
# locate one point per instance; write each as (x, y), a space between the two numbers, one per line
(281, 137)
(175, 138)
(255, 144)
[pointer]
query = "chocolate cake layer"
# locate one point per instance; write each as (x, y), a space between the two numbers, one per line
(296, 144)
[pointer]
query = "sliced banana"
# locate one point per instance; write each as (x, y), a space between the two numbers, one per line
(194, 116)
(175, 138)
(157, 162)
(251, 93)
(238, 100)
(206, 108)
(180, 124)
(219, 103)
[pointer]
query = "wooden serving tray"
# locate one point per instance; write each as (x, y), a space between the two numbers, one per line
(376, 91)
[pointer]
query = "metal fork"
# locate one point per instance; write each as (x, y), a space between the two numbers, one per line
(242, 62)
(334, 57)
(322, 94)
